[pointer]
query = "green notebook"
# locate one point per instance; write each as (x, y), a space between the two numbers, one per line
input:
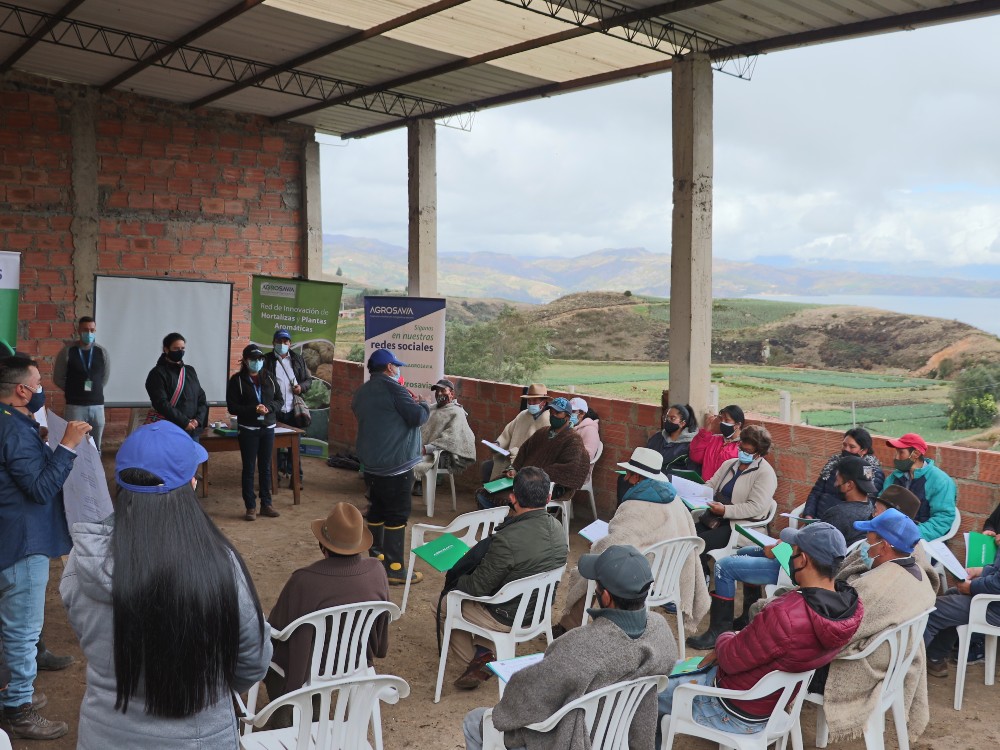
(783, 554)
(442, 553)
(503, 483)
(980, 550)
(691, 476)
(684, 666)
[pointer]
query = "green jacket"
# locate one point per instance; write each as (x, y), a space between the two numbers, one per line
(522, 546)
(937, 494)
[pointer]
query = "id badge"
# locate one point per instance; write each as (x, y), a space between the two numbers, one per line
(88, 385)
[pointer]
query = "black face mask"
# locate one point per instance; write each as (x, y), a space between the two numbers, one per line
(727, 430)
(670, 427)
(792, 570)
(845, 454)
(176, 356)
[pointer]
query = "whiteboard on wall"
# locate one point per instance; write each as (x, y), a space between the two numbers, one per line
(134, 314)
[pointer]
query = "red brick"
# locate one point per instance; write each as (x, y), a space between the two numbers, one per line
(959, 463)
(977, 498)
(989, 467)
(213, 205)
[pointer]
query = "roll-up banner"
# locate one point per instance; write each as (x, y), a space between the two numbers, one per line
(309, 311)
(10, 292)
(412, 328)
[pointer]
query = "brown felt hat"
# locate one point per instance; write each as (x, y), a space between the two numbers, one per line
(536, 390)
(343, 532)
(901, 499)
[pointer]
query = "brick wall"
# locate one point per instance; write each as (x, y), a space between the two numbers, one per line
(200, 195)
(798, 455)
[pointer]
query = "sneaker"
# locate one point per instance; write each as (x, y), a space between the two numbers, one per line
(25, 723)
(670, 608)
(476, 673)
(269, 511)
(49, 662)
(937, 667)
(251, 514)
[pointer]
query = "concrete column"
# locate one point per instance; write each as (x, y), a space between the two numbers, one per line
(691, 234)
(84, 227)
(312, 215)
(422, 183)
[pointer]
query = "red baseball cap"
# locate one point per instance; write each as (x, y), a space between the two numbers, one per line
(909, 440)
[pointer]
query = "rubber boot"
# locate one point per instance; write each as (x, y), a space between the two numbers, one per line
(721, 621)
(378, 532)
(751, 595)
(395, 538)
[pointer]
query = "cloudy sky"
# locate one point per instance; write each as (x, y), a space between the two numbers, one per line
(884, 148)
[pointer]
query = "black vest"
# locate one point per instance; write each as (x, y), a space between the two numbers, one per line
(77, 373)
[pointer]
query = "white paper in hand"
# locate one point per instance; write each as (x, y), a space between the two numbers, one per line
(85, 493)
(696, 494)
(495, 448)
(508, 667)
(939, 551)
(595, 531)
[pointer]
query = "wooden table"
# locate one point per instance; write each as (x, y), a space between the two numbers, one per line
(285, 436)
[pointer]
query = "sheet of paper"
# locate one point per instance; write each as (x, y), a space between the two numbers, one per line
(692, 491)
(283, 431)
(85, 493)
(757, 537)
(800, 519)
(505, 669)
(495, 448)
(938, 550)
(595, 531)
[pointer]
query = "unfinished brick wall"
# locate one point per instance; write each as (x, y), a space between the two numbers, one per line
(200, 195)
(798, 455)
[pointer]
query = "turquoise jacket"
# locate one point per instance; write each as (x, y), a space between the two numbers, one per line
(651, 491)
(937, 494)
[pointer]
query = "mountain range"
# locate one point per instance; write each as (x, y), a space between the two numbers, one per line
(540, 279)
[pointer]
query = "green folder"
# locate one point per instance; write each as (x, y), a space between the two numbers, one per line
(981, 551)
(783, 554)
(691, 476)
(687, 665)
(442, 553)
(503, 483)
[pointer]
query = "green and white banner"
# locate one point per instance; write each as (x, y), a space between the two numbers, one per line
(10, 292)
(309, 311)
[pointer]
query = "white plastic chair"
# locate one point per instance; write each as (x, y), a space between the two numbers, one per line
(476, 526)
(527, 624)
(938, 566)
(430, 485)
(339, 649)
(346, 729)
(589, 486)
(4, 741)
(904, 642)
(607, 714)
(667, 561)
(564, 506)
(736, 539)
(977, 624)
(784, 721)
(797, 511)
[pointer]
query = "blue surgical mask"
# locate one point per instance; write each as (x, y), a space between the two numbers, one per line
(744, 457)
(87, 337)
(37, 400)
(255, 365)
(534, 409)
(573, 420)
(864, 549)
(398, 375)
(281, 349)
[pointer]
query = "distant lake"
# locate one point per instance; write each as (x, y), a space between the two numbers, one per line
(981, 312)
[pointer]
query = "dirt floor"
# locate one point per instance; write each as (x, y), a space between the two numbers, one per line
(273, 548)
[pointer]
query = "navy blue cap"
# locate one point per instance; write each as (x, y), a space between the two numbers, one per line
(281, 333)
(383, 357)
(163, 449)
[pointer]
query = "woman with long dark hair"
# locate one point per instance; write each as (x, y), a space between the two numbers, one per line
(673, 441)
(164, 608)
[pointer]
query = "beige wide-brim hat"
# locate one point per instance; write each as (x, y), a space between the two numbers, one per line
(647, 463)
(536, 390)
(343, 531)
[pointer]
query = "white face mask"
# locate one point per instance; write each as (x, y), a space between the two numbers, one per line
(534, 409)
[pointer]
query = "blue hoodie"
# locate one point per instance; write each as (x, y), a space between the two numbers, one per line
(651, 491)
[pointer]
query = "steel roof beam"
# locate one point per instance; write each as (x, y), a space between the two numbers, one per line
(601, 25)
(220, 20)
(44, 27)
(329, 49)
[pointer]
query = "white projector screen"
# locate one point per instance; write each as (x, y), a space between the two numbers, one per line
(134, 314)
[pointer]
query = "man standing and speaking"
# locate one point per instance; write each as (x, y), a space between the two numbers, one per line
(81, 371)
(32, 530)
(389, 446)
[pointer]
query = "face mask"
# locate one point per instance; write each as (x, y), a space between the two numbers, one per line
(557, 422)
(573, 420)
(727, 429)
(845, 454)
(442, 400)
(398, 375)
(792, 570)
(865, 557)
(670, 427)
(87, 337)
(176, 356)
(37, 400)
(744, 457)
(255, 365)
(903, 465)
(534, 409)
(281, 349)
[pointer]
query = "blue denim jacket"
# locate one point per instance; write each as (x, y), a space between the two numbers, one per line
(32, 517)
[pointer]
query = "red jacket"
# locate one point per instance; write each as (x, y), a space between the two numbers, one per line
(802, 630)
(711, 451)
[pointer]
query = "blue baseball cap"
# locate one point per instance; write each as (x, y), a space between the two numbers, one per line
(163, 449)
(895, 527)
(383, 357)
(281, 333)
(560, 404)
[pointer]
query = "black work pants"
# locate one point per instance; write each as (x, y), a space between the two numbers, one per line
(255, 450)
(714, 538)
(390, 498)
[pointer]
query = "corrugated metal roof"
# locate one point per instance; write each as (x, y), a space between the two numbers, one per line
(396, 59)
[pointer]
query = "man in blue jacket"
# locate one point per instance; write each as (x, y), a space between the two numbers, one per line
(389, 446)
(934, 488)
(32, 529)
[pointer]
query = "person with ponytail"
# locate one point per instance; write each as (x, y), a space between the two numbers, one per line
(164, 607)
(673, 441)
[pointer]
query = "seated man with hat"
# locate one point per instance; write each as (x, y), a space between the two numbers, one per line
(621, 643)
(531, 419)
(935, 489)
(344, 575)
(446, 430)
(649, 513)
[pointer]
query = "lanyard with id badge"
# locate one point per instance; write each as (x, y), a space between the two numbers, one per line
(88, 384)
